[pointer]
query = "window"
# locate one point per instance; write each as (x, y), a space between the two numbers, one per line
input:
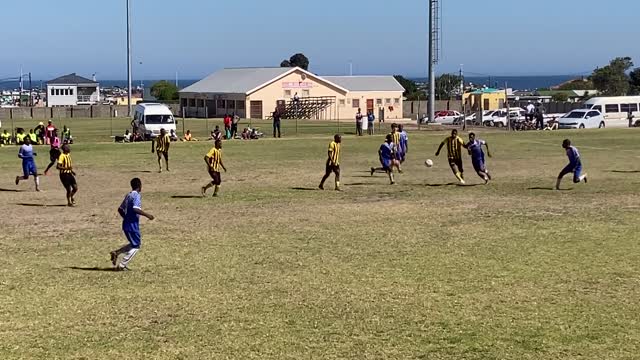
(598, 107)
(379, 102)
(57, 92)
(192, 102)
(239, 105)
(625, 108)
(200, 103)
(341, 102)
(183, 102)
(612, 108)
(287, 93)
(52, 92)
(70, 91)
(396, 101)
(66, 92)
(592, 114)
(355, 103)
(305, 93)
(387, 101)
(231, 104)
(221, 104)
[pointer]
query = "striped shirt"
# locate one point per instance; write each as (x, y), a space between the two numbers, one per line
(162, 143)
(214, 156)
(454, 147)
(395, 136)
(64, 164)
(334, 153)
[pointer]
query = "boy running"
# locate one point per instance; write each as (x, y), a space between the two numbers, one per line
(333, 162)
(395, 139)
(477, 156)
(67, 175)
(162, 149)
(130, 211)
(404, 144)
(454, 153)
(387, 159)
(27, 154)
(214, 164)
(574, 166)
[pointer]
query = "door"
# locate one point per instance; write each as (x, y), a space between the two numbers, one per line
(370, 106)
(255, 109)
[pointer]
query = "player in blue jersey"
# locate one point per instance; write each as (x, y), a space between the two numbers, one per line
(403, 146)
(477, 156)
(387, 159)
(574, 166)
(130, 210)
(27, 154)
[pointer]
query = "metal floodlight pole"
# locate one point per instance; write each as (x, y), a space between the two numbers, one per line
(433, 56)
(129, 80)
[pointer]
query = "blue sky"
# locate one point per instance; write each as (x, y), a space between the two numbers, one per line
(196, 37)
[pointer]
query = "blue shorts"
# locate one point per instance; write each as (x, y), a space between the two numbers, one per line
(134, 237)
(29, 168)
(386, 164)
(576, 170)
(478, 164)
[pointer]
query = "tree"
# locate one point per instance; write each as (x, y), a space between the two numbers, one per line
(164, 91)
(448, 86)
(411, 90)
(560, 97)
(612, 80)
(577, 84)
(299, 60)
(634, 81)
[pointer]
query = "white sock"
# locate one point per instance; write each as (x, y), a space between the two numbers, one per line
(37, 181)
(128, 257)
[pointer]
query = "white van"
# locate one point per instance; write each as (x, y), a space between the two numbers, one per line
(615, 109)
(149, 118)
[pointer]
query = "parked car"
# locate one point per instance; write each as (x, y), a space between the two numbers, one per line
(582, 119)
(500, 118)
(447, 117)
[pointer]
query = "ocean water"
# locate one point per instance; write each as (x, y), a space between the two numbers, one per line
(514, 82)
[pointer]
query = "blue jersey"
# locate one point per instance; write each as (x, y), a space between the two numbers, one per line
(573, 155)
(386, 151)
(404, 141)
(131, 219)
(475, 149)
(26, 153)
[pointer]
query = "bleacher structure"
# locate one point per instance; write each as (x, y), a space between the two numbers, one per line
(311, 108)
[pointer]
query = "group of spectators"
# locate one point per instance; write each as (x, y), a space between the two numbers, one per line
(40, 135)
(371, 118)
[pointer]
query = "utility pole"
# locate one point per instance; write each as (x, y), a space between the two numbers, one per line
(434, 35)
(129, 81)
(350, 68)
(464, 110)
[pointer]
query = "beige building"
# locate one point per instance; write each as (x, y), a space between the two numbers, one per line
(257, 92)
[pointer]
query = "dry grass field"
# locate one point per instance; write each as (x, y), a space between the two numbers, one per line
(275, 269)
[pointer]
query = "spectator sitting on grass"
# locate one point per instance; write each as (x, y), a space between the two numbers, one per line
(552, 125)
(5, 139)
(216, 134)
(188, 136)
(173, 135)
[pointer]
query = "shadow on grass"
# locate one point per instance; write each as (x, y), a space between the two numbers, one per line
(109, 269)
(142, 171)
(304, 189)
(39, 205)
(547, 189)
(186, 197)
(625, 171)
(362, 184)
(442, 185)
(10, 190)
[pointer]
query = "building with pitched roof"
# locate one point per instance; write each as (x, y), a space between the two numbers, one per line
(297, 93)
(72, 90)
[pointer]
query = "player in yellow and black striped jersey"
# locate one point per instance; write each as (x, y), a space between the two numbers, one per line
(333, 162)
(67, 175)
(395, 139)
(163, 142)
(454, 153)
(214, 165)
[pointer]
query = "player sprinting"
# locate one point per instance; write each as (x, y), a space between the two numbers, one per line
(404, 144)
(67, 175)
(333, 162)
(162, 149)
(477, 156)
(395, 139)
(130, 210)
(27, 155)
(214, 165)
(454, 153)
(387, 160)
(574, 166)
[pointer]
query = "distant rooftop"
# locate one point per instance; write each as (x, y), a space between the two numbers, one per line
(71, 79)
(236, 80)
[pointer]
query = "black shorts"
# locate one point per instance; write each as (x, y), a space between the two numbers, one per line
(163, 153)
(216, 179)
(330, 168)
(68, 180)
(457, 163)
(54, 154)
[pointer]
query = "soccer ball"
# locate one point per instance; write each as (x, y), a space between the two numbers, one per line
(429, 163)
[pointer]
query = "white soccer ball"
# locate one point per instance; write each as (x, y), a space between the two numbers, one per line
(429, 163)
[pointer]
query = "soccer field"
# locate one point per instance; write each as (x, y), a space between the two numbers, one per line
(275, 269)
